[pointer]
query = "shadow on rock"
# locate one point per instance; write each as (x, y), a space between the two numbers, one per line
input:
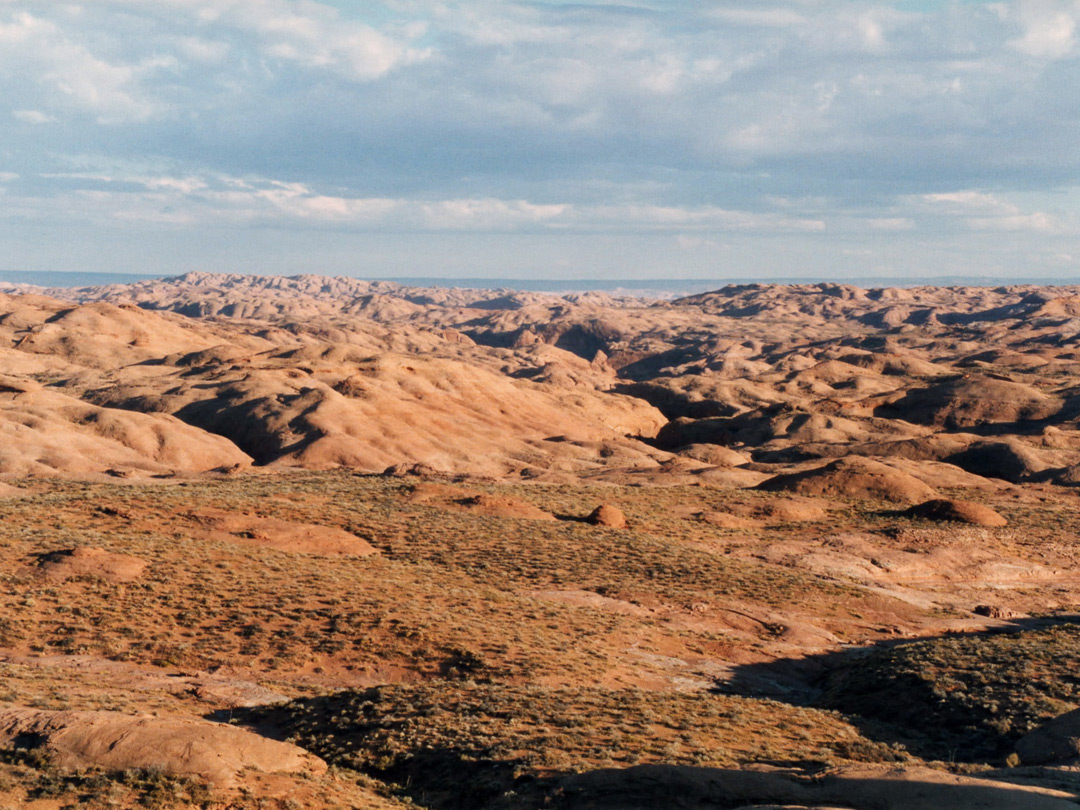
(861, 788)
(963, 697)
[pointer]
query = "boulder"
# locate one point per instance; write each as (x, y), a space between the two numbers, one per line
(607, 515)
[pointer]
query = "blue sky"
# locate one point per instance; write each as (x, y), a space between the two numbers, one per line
(767, 139)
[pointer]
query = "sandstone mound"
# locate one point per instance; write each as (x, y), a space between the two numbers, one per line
(972, 400)
(21, 313)
(831, 377)
(215, 355)
(855, 478)
(87, 561)
(958, 512)
(499, 506)
(17, 383)
(714, 454)
(730, 477)
(1066, 476)
(213, 752)
(284, 535)
(932, 459)
(782, 425)
(893, 364)
(104, 336)
(1066, 306)
(776, 510)
(789, 510)
(934, 447)
(1057, 741)
(49, 432)
(607, 515)
(686, 431)
(941, 474)
(1009, 459)
(394, 409)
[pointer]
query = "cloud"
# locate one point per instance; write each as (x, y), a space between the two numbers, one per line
(34, 117)
(202, 50)
(41, 51)
(701, 218)
(355, 51)
(211, 200)
(970, 202)
(893, 224)
(296, 201)
(989, 212)
(1049, 28)
(130, 61)
(310, 34)
(690, 243)
(1039, 222)
(810, 85)
(765, 17)
(488, 213)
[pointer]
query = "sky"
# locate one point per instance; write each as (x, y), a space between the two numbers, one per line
(644, 139)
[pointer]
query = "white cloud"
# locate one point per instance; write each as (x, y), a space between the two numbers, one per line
(871, 33)
(970, 202)
(295, 200)
(1049, 28)
(360, 53)
(33, 117)
(488, 213)
(202, 50)
(1038, 221)
(767, 17)
(42, 51)
(702, 218)
(989, 212)
(310, 34)
(100, 58)
(98, 86)
(688, 243)
(890, 224)
(184, 185)
(214, 199)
